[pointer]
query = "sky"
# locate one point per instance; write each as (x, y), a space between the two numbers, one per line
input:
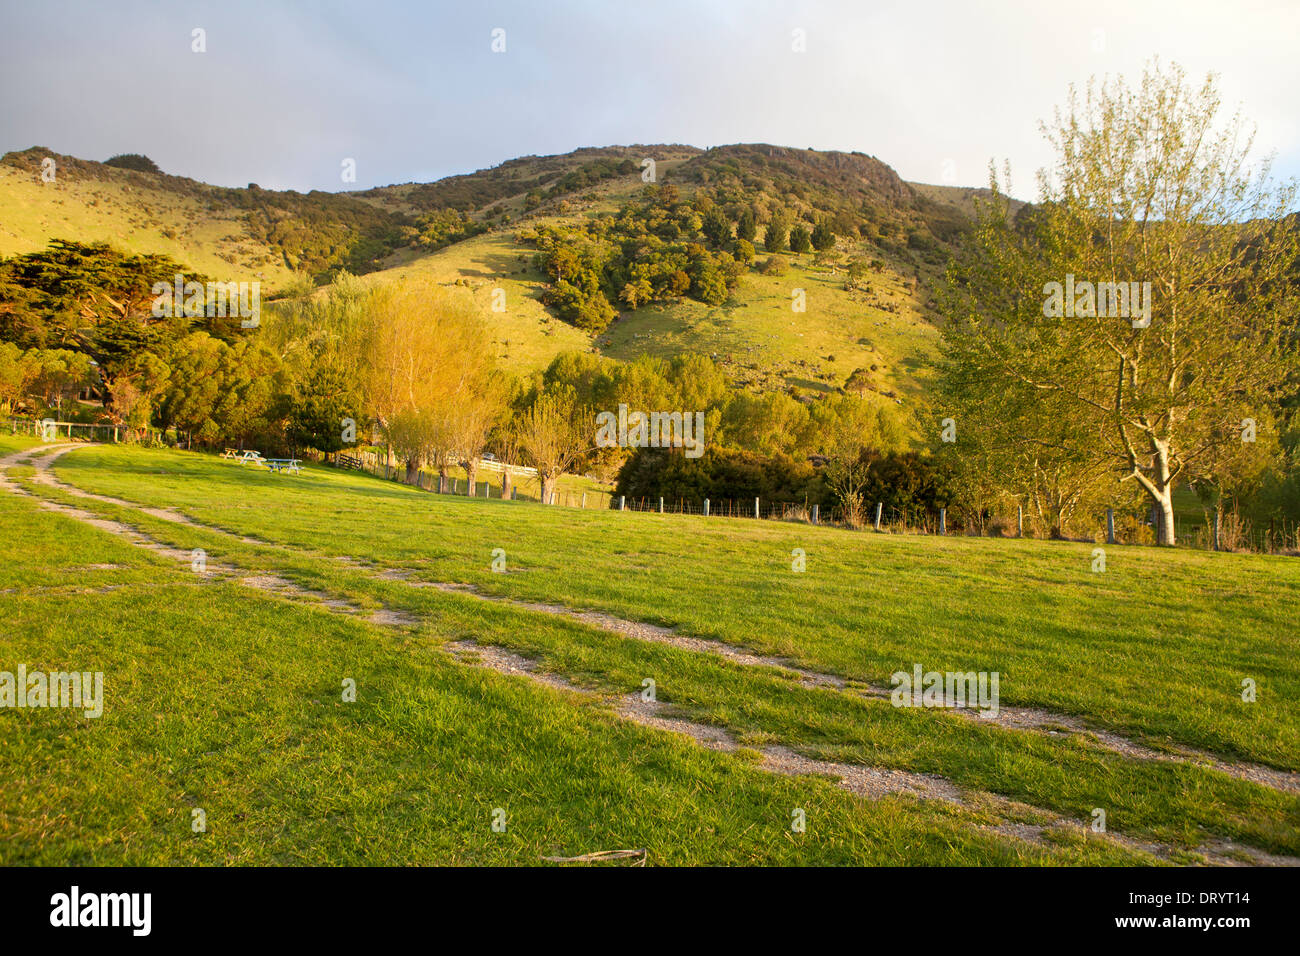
(284, 93)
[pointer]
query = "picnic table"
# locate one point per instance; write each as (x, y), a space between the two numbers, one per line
(283, 464)
(250, 456)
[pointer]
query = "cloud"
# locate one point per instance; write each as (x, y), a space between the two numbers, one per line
(413, 91)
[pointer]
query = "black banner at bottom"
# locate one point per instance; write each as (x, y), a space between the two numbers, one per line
(336, 905)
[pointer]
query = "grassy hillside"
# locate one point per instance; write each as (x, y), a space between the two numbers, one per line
(755, 335)
(227, 234)
(278, 237)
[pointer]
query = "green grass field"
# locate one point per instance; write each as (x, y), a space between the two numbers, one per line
(226, 697)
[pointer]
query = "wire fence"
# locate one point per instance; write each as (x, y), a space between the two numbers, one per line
(1280, 535)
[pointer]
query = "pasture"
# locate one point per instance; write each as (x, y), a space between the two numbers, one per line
(593, 680)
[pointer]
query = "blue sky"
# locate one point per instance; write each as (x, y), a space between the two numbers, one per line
(413, 91)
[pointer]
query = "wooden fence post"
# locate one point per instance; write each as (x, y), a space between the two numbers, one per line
(622, 502)
(1216, 528)
(880, 506)
(706, 507)
(1020, 521)
(943, 520)
(584, 500)
(661, 504)
(1110, 525)
(814, 514)
(755, 507)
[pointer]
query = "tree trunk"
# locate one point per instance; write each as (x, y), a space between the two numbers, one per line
(548, 487)
(412, 470)
(442, 477)
(1164, 514)
(471, 472)
(1162, 495)
(507, 483)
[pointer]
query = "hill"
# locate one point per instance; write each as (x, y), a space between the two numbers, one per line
(867, 299)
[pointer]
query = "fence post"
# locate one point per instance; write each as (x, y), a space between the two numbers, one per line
(1216, 527)
(661, 504)
(755, 507)
(622, 502)
(584, 500)
(1020, 521)
(706, 507)
(880, 506)
(943, 520)
(1110, 525)
(814, 514)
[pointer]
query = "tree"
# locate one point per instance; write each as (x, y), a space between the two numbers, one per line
(472, 420)
(799, 239)
(823, 237)
(1149, 295)
(426, 353)
(636, 293)
(853, 434)
(716, 227)
(139, 163)
(860, 382)
(553, 434)
(322, 402)
(96, 300)
(745, 228)
(774, 235)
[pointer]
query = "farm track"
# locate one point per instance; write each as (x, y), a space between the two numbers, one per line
(865, 781)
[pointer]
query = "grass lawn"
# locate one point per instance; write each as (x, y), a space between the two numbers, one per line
(226, 700)
(1154, 648)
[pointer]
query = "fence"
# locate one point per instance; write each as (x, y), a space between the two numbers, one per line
(1280, 535)
(1232, 533)
(83, 431)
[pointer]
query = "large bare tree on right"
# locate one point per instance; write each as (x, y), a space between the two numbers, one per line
(1147, 302)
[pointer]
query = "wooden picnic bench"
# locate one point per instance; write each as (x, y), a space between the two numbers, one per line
(229, 453)
(250, 456)
(283, 464)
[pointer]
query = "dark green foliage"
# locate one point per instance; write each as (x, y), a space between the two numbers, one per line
(745, 228)
(141, 164)
(774, 235)
(93, 299)
(823, 237)
(716, 227)
(911, 485)
(441, 228)
(316, 417)
(719, 474)
(800, 241)
(651, 251)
